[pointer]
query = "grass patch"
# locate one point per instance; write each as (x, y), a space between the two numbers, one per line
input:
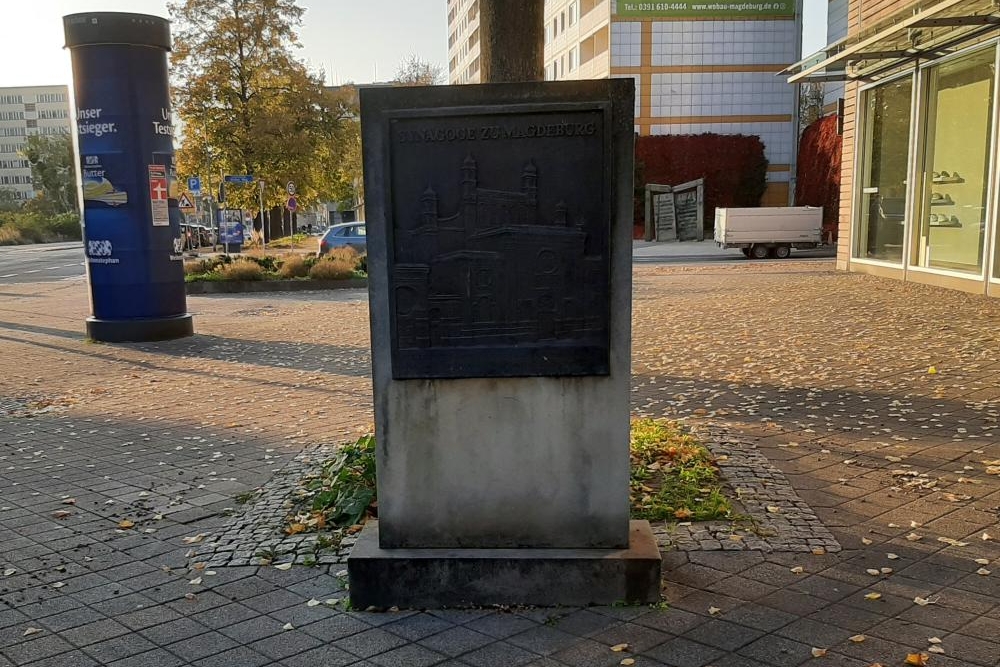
(341, 495)
(673, 476)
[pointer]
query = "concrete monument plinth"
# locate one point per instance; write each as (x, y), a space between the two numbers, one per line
(407, 578)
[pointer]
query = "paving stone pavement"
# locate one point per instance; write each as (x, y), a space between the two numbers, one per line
(120, 463)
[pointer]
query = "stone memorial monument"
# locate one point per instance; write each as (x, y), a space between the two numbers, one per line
(499, 238)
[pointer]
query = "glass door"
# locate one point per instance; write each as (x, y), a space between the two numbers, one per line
(954, 186)
(881, 214)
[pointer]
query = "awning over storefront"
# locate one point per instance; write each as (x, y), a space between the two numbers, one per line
(929, 29)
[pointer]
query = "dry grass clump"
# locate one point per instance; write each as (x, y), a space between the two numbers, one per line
(332, 269)
(294, 266)
(242, 269)
(345, 254)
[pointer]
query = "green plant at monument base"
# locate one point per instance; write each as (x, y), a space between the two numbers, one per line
(341, 494)
(673, 476)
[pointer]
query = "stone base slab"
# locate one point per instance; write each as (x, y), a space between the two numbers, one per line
(431, 578)
(140, 330)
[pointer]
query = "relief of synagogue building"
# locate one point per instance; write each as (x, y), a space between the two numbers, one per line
(497, 272)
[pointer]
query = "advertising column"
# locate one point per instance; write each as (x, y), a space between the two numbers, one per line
(131, 222)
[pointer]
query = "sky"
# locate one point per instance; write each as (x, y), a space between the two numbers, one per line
(351, 40)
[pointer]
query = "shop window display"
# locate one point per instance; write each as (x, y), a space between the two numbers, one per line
(954, 179)
(883, 175)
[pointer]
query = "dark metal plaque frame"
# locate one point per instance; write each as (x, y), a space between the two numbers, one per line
(489, 226)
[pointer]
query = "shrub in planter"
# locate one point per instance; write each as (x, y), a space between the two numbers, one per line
(346, 253)
(294, 266)
(362, 264)
(242, 269)
(332, 269)
(268, 263)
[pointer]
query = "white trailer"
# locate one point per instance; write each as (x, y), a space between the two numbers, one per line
(769, 231)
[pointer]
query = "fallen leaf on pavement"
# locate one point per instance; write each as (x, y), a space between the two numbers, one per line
(61, 514)
(865, 540)
(873, 596)
(857, 639)
(31, 631)
(627, 661)
(9, 571)
(923, 602)
(288, 626)
(125, 524)
(985, 537)
(194, 539)
(872, 571)
(935, 649)
(982, 561)
(618, 648)
(714, 611)
(983, 572)
(913, 537)
(818, 652)
(917, 659)
(892, 556)
(955, 543)
(773, 509)
(798, 570)
(313, 603)
(195, 581)
(283, 566)
(933, 640)
(69, 501)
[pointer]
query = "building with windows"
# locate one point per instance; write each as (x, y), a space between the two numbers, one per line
(697, 68)
(23, 112)
(919, 184)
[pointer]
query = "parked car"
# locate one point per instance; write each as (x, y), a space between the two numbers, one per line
(346, 234)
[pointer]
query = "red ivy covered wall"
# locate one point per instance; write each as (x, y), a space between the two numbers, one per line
(733, 166)
(818, 178)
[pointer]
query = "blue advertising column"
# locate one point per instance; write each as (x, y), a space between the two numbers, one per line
(131, 222)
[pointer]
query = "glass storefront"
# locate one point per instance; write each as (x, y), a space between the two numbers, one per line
(957, 140)
(881, 214)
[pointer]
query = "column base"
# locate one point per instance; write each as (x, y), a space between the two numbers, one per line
(140, 331)
(430, 578)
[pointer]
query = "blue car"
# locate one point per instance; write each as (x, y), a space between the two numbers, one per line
(346, 234)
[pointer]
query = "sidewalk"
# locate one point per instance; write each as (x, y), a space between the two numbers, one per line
(121, 468)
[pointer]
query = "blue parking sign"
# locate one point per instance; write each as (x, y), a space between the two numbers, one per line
(194, 185)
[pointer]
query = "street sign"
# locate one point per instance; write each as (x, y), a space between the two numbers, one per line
(238, 178)
(186, 202)
(292, 204)
(290, 187)
(194, 185)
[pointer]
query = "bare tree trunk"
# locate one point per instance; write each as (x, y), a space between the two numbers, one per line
(511, 40)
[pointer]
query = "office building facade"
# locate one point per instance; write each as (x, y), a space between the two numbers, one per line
(26, 111)
(698, 68)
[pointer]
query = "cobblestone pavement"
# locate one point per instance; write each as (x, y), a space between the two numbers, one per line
(119, 464)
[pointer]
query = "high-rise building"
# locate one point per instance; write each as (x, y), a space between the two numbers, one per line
(697, 68)
(26, 111)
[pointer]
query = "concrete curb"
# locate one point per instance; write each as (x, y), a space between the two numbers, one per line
(244, 286)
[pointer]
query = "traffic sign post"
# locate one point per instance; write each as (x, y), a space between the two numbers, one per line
(194, 185)
(290, 188)
(242, 179)
(186, 202)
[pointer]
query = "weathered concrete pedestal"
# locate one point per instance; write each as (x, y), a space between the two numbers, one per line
(416, 578)
(499, 256)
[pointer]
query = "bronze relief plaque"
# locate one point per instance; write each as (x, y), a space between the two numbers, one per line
(496, 234)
